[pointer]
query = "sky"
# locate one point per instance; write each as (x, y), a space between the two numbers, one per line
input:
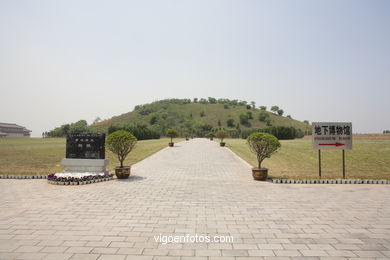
(62, 61)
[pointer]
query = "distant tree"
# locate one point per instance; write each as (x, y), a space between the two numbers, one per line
(263, 116)
(212, 100)
(219, 123)
(248, 107)
(386, 131)
(226, 106)
(280, 112)
(253, 103)
(190, 115)
(244, 119)
(79, 127)
(289, 116)
(306, 122)
(203, 101)
(153, 119)
(97, 120)
(230, 122)
(202, 114)
(195, 100)
(250, 116)
(274, 109)
(263, 108)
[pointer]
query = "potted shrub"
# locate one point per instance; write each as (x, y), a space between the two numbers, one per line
(211, 136)
(221, 134)
(187, 136)
(172, 133)
(121, 143)
(263, 145)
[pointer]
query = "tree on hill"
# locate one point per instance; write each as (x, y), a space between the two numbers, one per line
(274, 109)
(230, 122)
(280, 112)
(264, 117)
(253, 103)
(263, 108)
(244, 119)
(250, 116)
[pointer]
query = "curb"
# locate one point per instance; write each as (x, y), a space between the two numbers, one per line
(79, 182)
(11, 176)
(329, 181)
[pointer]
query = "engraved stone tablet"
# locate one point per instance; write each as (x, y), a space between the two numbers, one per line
(85, 146)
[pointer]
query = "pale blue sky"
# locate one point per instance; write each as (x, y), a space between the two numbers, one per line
(61, 61)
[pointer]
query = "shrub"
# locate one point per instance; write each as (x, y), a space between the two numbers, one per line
(244, 119)
(230, 122)
(263, 116)
(121, 143)
(221, 134)
(141, 132)
(250, 116)
(172, 133)
(263, 145)
(280, 112)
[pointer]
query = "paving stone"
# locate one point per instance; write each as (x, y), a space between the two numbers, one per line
(196, 187)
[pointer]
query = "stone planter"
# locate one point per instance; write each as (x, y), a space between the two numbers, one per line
(123, 173)
(260, 174)
(171, 144)
(222, 144)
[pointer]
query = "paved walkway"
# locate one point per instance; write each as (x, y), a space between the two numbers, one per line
(194, 188)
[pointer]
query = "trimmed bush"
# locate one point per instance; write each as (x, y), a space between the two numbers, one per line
(221, 134)
(263, 145)
(121, 143)
(172, 133)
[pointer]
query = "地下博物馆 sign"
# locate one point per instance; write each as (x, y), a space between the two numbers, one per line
(332, 135)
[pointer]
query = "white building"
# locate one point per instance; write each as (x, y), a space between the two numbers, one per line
(13, 131)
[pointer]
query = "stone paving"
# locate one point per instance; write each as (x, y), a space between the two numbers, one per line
(193, 188)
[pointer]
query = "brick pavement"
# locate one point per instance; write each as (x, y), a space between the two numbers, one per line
(196, 187)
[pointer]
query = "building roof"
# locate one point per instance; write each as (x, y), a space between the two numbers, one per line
(14, 126)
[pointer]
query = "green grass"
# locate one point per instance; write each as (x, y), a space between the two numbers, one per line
(369, 159)
(43, 156)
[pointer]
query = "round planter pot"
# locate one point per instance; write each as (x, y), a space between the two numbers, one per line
(222, 144)
(170, 144)
(122, 173)
(211, 139)
(260, 174)
(187, 139)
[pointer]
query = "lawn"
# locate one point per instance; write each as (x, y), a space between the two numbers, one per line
(43, 156)
(369, 159)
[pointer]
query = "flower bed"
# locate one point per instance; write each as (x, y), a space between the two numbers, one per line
(87, 179)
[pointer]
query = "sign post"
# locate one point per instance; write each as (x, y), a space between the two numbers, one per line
(331, 136)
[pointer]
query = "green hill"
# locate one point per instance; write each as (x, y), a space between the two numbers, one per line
(199, 116)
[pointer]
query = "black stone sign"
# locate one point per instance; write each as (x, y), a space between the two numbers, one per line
(85, 145)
